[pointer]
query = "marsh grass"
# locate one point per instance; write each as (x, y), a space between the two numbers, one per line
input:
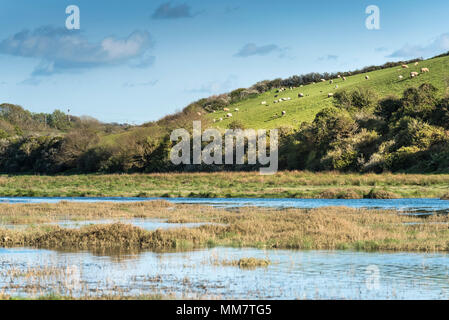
(381, 194)
(246, 263)
(321, 228)
(286, 184)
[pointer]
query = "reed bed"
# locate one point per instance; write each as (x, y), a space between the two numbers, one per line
(322, 228)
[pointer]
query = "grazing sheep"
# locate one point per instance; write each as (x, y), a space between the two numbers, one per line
(229, 115)
(332, 81)
(414, 74)
(300, 95)
(323, 80)
(236, 109)
(404, 66)
(401, 77)
(288, 98)
(344, 78)
(263, 102)
(225, 109)
(424, 70)
(339, 76)
(336, 87)
(276, 95)
(214, 120)
(221, 119)
(275, 101)
(284, 113)
(366, 77)
(416, 63)
(330, 95)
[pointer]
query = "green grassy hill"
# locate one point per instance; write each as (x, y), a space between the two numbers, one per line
(385, 82)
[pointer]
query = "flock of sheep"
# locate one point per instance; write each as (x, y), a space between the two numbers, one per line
(330, 95)
(228, 115)
(413, 74)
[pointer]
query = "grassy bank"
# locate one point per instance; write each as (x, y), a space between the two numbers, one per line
(228, 184)
(324, 228)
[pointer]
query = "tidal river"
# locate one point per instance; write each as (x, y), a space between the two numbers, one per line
(413, 205)
(292, 274)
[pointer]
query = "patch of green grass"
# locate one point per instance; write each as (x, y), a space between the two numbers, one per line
(286, 184)
(252, 114)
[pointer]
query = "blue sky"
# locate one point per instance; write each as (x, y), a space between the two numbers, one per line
(139, 60)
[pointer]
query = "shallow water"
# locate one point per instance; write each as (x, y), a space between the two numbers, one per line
(413, 205)
(144, 223)
(196, 274)
(292, 274)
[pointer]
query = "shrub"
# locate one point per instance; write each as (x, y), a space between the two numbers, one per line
(381, 194)
(357, 100)
(236, 124)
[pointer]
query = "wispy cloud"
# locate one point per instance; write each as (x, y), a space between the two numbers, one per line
(252, 49)
(230, 9)
(329, 57)
(435, 47)
(140, 84)
(214, 87)
(30, 82)
(381, 49)
(167, 11)
(61, 50)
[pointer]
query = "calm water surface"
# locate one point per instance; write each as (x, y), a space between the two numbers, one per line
(413, 205)
(292, 274)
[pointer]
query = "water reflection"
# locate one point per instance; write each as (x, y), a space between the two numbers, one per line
(414, 205)
(291, 275)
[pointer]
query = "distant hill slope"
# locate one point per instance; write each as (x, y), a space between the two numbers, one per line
(252, 114)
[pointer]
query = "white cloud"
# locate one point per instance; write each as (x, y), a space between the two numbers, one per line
(437, 46)
(62, 50)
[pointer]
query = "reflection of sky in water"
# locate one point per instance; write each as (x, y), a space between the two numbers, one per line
(407, 205)
(292, 274)
(147, 224)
